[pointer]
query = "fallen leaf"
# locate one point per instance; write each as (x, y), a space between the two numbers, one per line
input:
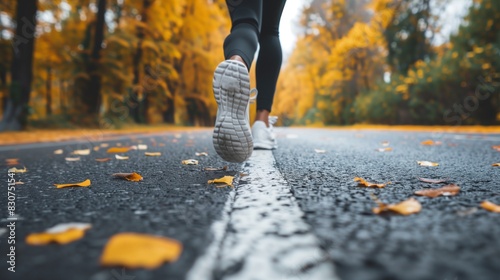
(72, 158)
(363, 183)
(492, 207)
(17, 170)
(448, 190)
(433, 181)
(142, 147)
(85, 183)
(190, 162)
(11, 161)
(58, 152)
(85, 152)
(60, 234)
(226, 180)
(202, 154)
(161, 145)
(224, 168)
(384, 149)
(134, 250)
(155, 154)
(104, 145)
(385, 143)
(431, 143)
(496, 164)
(318, 151)
(117, 150)
(96, 148)
(496, 148)
(102, 159)
(427, 163)
(19, 183)
(134, 177)
(407, 207)
(121, 157)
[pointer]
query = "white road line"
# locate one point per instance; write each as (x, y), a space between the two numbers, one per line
(261, 234)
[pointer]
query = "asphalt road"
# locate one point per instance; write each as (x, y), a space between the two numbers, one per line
(452, 238)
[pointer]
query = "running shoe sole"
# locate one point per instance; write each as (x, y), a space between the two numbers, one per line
(232, 138)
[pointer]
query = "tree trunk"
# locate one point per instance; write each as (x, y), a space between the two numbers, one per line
(16, 111)
(92, 98)
(48, 89)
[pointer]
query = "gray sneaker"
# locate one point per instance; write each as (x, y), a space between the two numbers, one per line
(232, 136)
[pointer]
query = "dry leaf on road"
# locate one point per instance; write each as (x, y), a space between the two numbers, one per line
(496, 148)
(58, 152)
(431, 143)
(496, 164)
(384, 149)
(150, 154)
(190, 162)
(407, 207)
(85, 183)
(134, 177)
(85, 152)
(17, 170)
(72, 158)
(427, 163)
(121, 157)
(102, 159)
(117, 150)
(11, 161)
(492, 207)
(202, 154)
(363, 183)
(433, 181)
(61, 234)
(226, 180)
(224, 168)
(448, 190)
(319, 151)
(134, 250)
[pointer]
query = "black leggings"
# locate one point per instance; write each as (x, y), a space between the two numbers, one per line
(257, 22)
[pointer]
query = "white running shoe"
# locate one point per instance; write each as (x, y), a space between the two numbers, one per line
(232, 136)
(263, 136)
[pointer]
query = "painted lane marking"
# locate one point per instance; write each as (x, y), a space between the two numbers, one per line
(261, 234)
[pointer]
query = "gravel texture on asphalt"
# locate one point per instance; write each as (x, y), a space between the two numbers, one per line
(173, 200)
(452, 238)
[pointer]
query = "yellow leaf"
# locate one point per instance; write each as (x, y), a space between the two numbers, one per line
(496, 164)
(85, 152)
(134, 177)
(431, 143)
(448, 190)
(407, 207)
(17, 170)
(72, 158)
(134, 250)
(427, 163)
(96, 148)
(58, 152)
(156, 154)
(121, 157)
(190, 162)
(226, 180)
(85, 183)
(118, 150)
(60, 234)
(490, 206)
(363, 183)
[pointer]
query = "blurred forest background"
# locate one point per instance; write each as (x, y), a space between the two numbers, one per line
(107, 63)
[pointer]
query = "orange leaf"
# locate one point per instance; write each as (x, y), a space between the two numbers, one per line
(11, 161)
(496, 148)
(85, 183)
(102, 159)
(155, 154)
(431, 143)
(490, 206)
(363, 183)
(496, 164)
(407, 207)
(433, 181)
(118, 150)
(388, 149)
(134, 177)
(134, 250)
(448, 190)
(60, 234)
(226, 180)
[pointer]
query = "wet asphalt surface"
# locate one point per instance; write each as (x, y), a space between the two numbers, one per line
(450, 239)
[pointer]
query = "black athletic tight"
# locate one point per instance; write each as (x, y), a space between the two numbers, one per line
(256, 22)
